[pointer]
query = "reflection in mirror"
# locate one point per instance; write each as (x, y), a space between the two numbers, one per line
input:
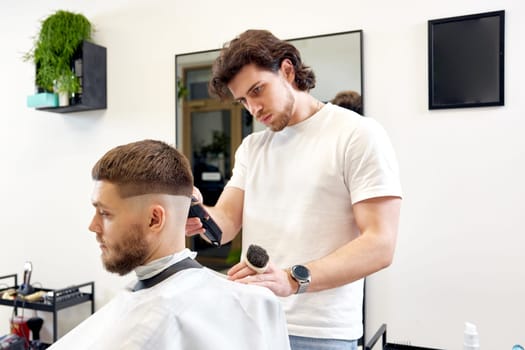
(209, 131)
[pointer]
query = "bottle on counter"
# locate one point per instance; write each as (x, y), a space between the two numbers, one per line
(470, 337)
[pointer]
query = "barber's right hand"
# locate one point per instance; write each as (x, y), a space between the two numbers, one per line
(197, 194)
(194, 225)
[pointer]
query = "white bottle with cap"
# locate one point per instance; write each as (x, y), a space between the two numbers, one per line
(470, 337)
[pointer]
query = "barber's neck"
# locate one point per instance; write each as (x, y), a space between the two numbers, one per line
(305, 106)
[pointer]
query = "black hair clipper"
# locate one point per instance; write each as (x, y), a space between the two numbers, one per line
(213, 232)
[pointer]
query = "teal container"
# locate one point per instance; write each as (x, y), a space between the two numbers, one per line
(44, 99)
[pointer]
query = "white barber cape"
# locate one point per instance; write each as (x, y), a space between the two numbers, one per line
(194, 309)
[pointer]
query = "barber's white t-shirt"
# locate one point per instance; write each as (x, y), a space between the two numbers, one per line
(299, 187)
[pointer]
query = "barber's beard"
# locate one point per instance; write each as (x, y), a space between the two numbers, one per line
(283, 118)
(127, 254)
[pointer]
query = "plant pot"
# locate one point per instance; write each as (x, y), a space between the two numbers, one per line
(63, 99)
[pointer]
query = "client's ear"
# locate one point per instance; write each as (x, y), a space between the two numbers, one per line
(157, 217)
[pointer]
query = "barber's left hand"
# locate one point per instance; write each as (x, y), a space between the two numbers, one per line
(277, 280)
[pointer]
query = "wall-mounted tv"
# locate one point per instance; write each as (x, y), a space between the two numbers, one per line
(465, 61)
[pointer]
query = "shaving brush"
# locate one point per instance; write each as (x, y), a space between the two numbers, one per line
(257, 258)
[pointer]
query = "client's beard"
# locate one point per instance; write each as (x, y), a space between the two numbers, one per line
(129, 254)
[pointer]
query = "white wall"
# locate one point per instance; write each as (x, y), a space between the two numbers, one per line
(460, 248)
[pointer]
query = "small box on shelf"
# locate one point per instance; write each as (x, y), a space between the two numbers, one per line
(43, 99)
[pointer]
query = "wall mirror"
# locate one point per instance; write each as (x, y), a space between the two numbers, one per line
(209, 131)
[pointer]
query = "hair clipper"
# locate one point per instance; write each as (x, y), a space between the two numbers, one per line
(213, 232)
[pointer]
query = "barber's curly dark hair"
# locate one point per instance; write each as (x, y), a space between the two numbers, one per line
(263, 49)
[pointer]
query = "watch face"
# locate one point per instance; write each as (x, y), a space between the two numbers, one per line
(301, 272)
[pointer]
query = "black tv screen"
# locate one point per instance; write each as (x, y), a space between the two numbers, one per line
(465, 61)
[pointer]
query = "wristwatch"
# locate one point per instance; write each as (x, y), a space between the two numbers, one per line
(301, 274)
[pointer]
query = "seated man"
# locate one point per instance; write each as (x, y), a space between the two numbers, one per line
(141, 197)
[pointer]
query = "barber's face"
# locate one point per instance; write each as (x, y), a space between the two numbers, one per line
(120, 233)
(267, 95)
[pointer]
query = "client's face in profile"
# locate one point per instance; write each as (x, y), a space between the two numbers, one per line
(119, 228)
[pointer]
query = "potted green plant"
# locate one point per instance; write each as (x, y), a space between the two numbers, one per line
(182, 90)
(66, 85)
(59, 38)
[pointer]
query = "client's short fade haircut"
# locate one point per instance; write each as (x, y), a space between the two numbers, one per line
(145, 167)
(262, 48)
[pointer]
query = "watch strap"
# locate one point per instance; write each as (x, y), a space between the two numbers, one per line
(303, 286)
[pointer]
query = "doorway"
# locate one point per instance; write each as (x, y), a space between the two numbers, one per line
(212, 131)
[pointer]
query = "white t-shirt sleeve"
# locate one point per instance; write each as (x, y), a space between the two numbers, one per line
(371, 167)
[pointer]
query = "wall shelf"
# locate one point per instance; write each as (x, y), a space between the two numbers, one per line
(90, 65)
